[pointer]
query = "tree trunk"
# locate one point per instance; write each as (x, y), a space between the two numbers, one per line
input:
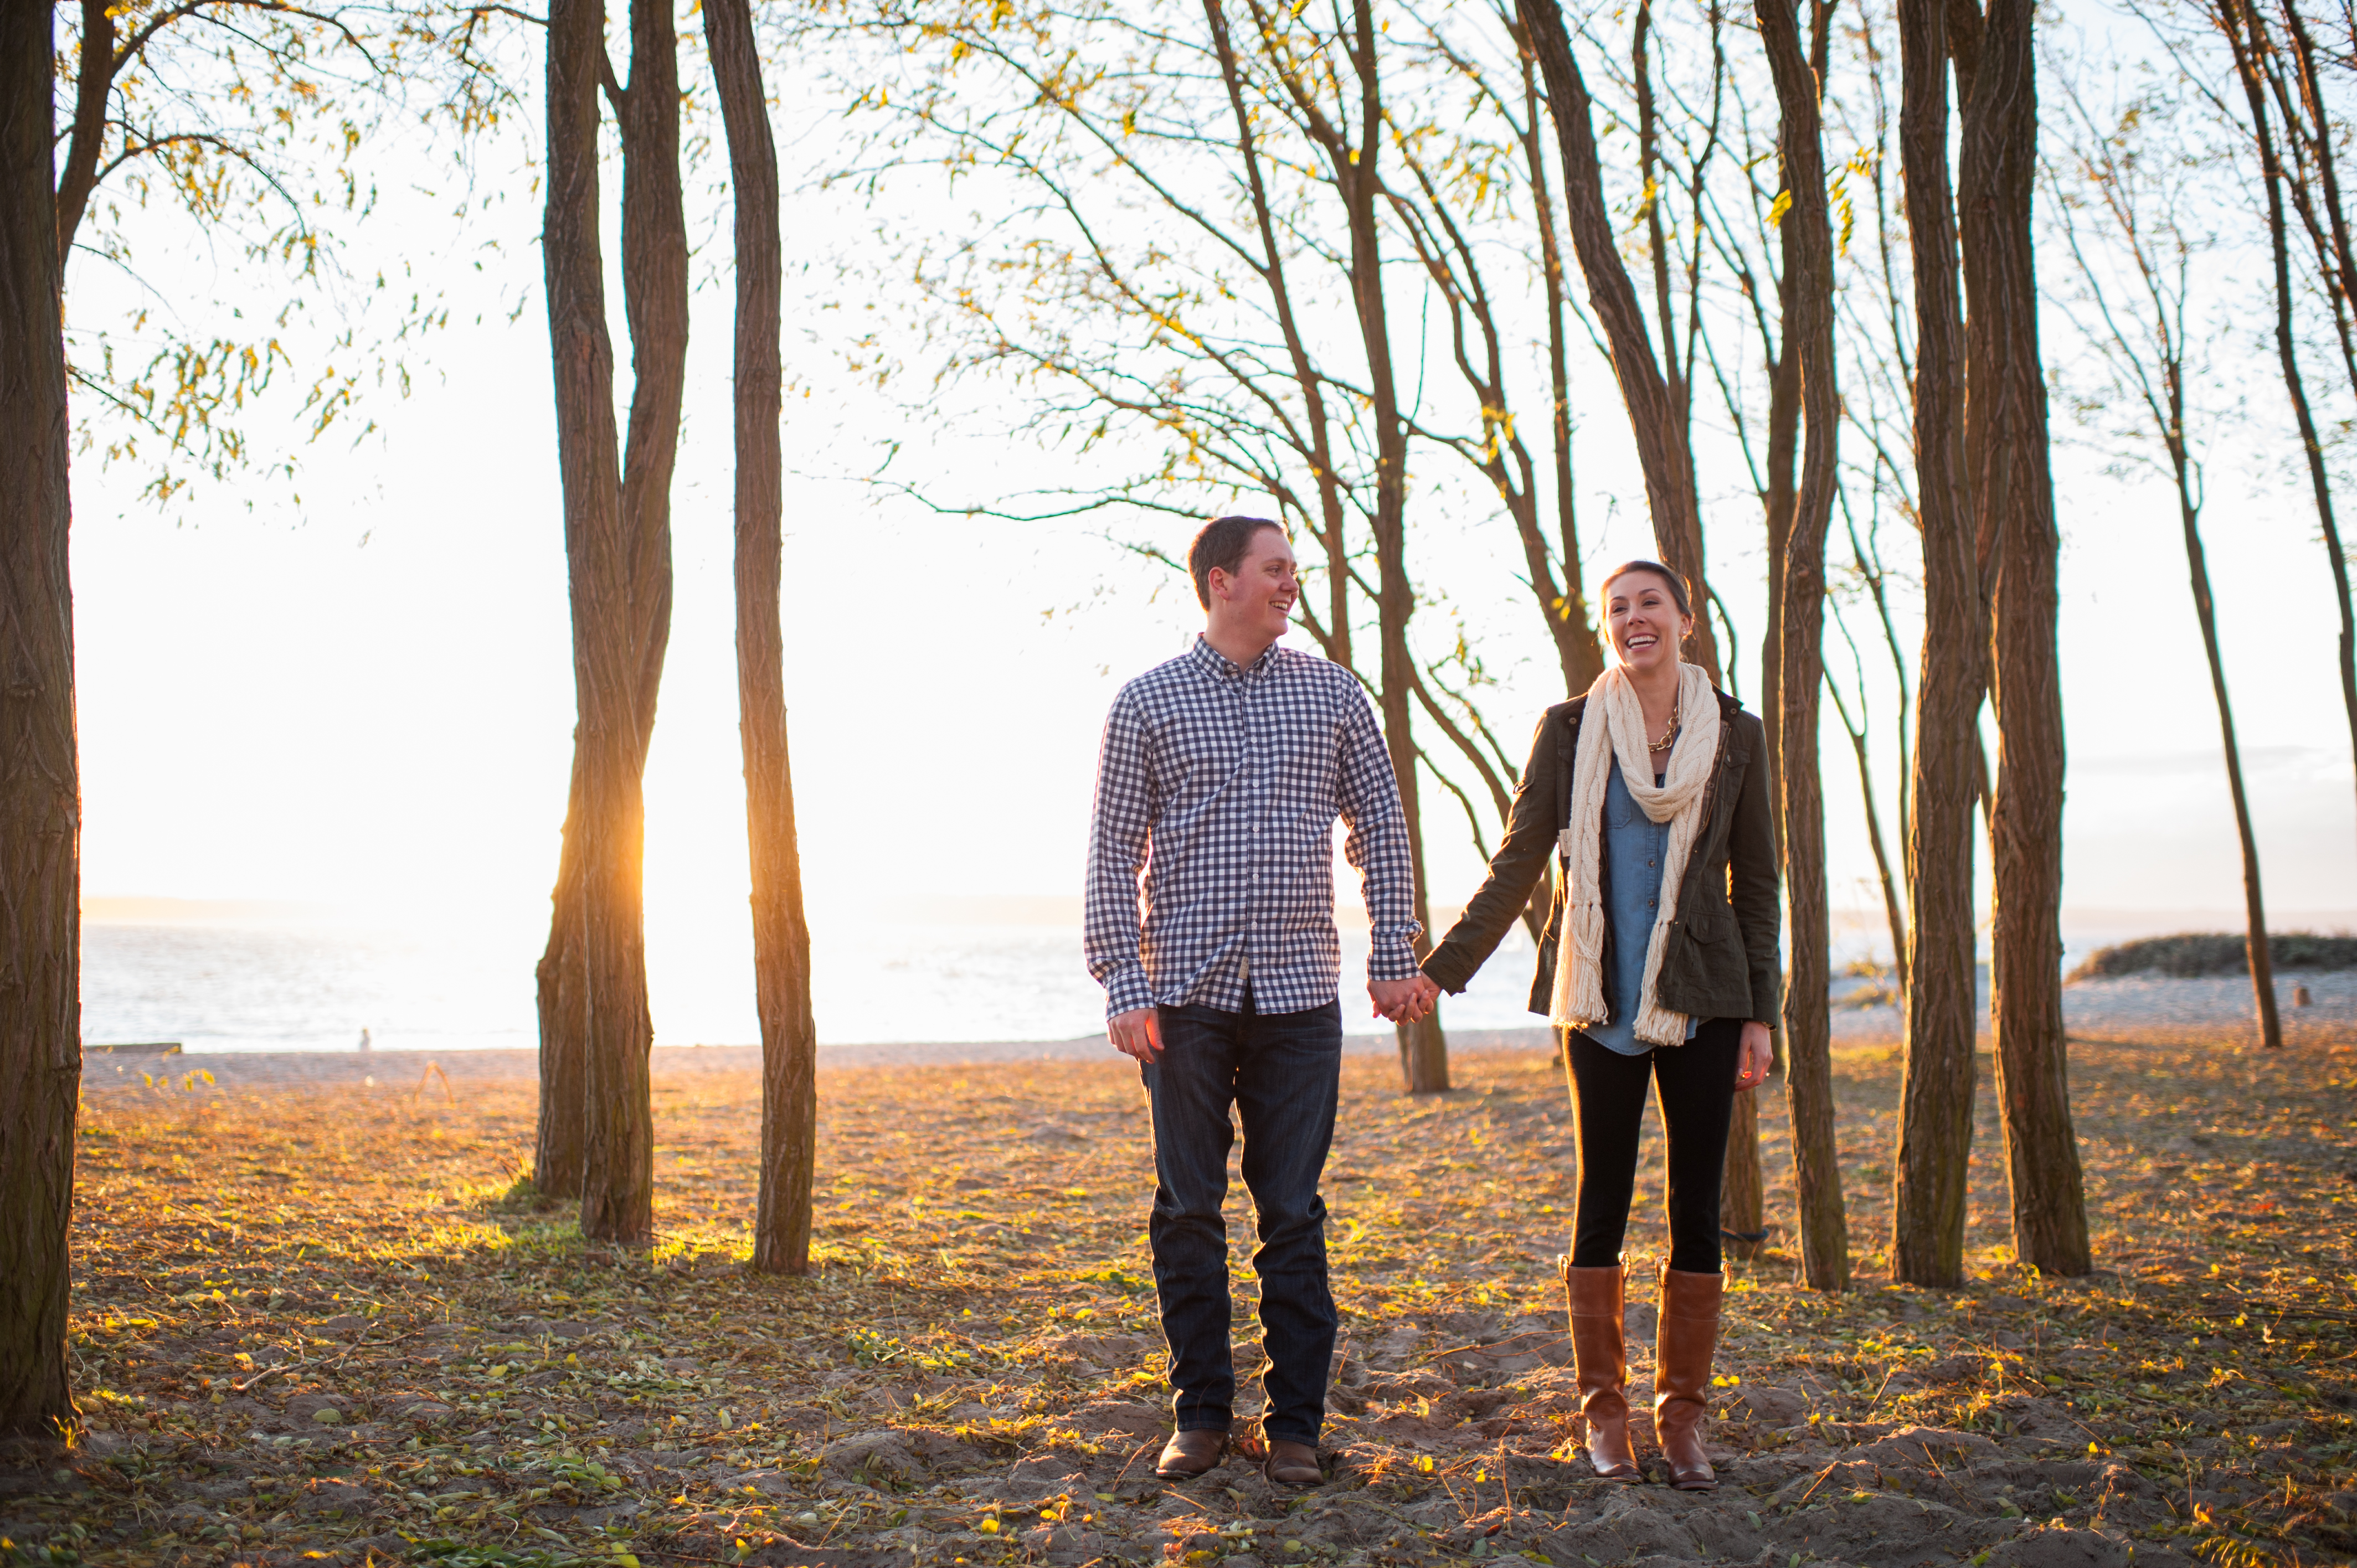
(1743, 1187)
(2247, 40)
(618, 1187)
(2324, 145)
(618, 551)
(583, 359)
(1807, 239)
(2013, 489)
(1575, 644)
(561, 984)
(1423, 1048)
(1654, 417)
(1935, 1116)
(2255, 910)
(781, 977)
(1894, 919)
(40, 790)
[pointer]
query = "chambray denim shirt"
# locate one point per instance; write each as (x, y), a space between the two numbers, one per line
(1633, 846)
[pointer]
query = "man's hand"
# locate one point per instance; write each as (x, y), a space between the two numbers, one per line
(1137, 1033)
(1404, 1000)
(1752, 1061)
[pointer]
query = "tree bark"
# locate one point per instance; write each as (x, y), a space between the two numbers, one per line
(1575, 643)
(1743, 1194)
(1935, 1117)
(617, 1182)
(1894, 917)
(596, 1031)
(1654, 417)
(1424, 1047)
(560, 986)
(94, 81)
(2326, 147)
(583, 358)
(1807, 239)
(2255, 909)
(2248, 39)
(40, 792)
(781, 975)
(2013, 491)
(1330, 528)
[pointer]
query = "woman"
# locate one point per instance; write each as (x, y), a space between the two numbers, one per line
(1660, 964)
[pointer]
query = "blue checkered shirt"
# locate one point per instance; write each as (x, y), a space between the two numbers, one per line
(1222, 784)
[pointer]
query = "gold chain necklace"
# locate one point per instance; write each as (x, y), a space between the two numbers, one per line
(1670, 734)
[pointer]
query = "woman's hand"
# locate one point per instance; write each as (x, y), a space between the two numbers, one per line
(1753, 1060)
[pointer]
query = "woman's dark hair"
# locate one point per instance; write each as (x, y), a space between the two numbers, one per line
(1677, 585)
(1222, 544)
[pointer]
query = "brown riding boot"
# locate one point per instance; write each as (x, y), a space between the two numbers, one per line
(1600, 1361)
(1682, 1346)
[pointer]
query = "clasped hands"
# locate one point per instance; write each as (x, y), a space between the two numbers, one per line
(1138, 1032)
(1409, 1001)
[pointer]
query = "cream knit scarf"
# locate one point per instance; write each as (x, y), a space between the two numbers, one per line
(1614, 717)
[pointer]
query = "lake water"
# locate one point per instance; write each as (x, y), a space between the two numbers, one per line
(261, 987)
(313, 984)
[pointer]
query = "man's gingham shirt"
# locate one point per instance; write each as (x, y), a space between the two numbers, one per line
(1223, 785)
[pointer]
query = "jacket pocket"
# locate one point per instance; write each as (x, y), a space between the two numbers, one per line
(1703, 972)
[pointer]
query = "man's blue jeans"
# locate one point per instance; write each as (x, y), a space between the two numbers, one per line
(1281, 1072)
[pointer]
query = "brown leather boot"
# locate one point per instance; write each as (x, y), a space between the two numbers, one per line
(1683, 1348)
(1601, 1360)
(1191, 1454)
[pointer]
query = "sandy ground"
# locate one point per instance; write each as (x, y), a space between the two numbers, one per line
(320, 1323)
(254, 1069)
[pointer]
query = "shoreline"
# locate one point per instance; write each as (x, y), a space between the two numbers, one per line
(393, 1068)
(2129, 1010)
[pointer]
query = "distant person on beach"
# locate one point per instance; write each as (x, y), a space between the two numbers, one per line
(1220, 777)
(1650, 792)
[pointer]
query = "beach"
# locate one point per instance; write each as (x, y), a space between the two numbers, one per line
(320, 1318)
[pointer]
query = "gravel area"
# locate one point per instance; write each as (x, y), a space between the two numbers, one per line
(2149, 1008)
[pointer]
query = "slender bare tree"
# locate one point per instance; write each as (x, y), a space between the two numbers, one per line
(2311, 177)
(1659, 401)
(1807, 234)
(596, 1133)
(1935, 1122)
(2012, 489)
(782, 971)
(40, 790)
(2125, 178)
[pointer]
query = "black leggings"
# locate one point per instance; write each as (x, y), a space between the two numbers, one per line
(1608, 1103)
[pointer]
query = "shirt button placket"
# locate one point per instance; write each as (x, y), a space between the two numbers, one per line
(1252, 805)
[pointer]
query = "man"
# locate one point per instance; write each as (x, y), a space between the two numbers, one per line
(1221, 776)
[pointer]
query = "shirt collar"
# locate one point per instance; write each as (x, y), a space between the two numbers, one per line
(1220, 667)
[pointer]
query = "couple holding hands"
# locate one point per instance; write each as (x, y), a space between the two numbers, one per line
(1210, 924)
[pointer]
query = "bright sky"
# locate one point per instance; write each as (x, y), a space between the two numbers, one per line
(366, 700)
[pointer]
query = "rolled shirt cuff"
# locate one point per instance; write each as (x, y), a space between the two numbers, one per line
(1392, 955)
(1126, 990)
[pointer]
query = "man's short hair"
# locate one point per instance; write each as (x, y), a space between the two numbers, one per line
(1223, 542)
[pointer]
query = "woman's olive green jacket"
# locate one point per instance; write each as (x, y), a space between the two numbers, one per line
(1722, 960)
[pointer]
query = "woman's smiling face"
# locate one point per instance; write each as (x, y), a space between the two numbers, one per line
(1642, 618)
